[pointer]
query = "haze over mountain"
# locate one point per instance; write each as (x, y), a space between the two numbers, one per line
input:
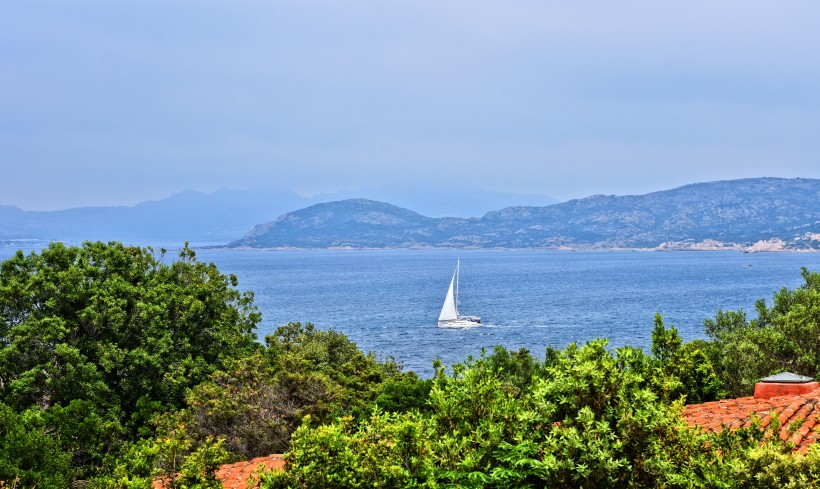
(189, 215)
(225, 215)
(758, 214)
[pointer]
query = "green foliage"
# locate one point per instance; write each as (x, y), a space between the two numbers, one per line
(473, 414)
(769, 466)
(246, 407)
(103, 336)
(404, 394)
(325, 373)
(585, 419)
(87, 433)
(757, 458)
(608, 430)
(199, 469)
(665, 342)
(785, 337)
(516, 369)
(256, 402)
(171, 456)
(135, 468)
(110, 323)
(687, 363)
(31, 456)
(389, 450)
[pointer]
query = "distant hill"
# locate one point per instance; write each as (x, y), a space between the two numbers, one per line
(752, 214)
(356, 223)
(450, 200)
(194, 216)
(224, 215)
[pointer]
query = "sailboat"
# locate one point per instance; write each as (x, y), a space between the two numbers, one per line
(449, 317)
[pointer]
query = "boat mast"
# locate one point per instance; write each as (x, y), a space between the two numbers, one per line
(458, 266)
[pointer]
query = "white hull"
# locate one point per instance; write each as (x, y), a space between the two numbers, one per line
(459, 323)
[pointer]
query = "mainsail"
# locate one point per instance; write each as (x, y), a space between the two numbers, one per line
(449, 312)
(449, 317)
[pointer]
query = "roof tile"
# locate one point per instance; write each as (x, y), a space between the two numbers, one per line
(798, 415)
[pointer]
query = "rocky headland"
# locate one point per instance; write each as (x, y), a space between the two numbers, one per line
(752, 215)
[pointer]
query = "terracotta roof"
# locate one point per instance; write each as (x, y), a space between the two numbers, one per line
(236, 476)
(798, 415)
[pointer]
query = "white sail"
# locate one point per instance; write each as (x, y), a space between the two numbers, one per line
(449, 317)
(448, 310)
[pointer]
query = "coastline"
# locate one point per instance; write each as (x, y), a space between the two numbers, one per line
(763, 246)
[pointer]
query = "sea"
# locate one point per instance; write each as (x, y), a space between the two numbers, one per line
(388, 301)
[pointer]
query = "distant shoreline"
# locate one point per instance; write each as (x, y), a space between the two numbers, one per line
(744, 249)
(707, 245)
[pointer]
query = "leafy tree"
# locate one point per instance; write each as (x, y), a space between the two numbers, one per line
(114, 332)
(666, 343)
(517, 369)
(85, 432)
(256, 402)
(324, 372)
(607, 429)
(245, 406)
(473, 415)
(769, 466)
(785, 337)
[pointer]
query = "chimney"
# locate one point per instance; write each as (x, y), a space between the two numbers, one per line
(784, 384)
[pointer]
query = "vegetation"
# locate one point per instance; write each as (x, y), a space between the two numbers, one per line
(119, 368)
(586, 419)
(784, 337)
(103, 337)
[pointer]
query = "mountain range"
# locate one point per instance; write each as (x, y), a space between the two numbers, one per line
(758, 214)
(190, 215)
(224, 215)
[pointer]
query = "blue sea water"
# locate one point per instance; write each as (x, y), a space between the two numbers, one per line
(388, 301)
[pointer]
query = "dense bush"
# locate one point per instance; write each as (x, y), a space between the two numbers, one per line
(326, 372)
(585, 419)
(687, 368)
(256, 402)
(29, 457)
(783, 337)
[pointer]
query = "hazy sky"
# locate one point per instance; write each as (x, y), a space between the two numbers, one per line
(115, 102)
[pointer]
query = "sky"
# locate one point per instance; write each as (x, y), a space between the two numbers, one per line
(117, 102)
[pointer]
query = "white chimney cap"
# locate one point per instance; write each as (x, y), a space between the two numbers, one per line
(787, 378)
